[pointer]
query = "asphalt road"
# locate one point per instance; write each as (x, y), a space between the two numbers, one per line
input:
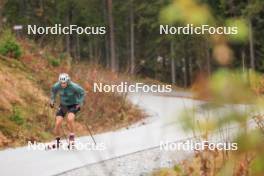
(163, 126)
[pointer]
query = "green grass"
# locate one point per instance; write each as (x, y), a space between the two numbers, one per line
(16, 116)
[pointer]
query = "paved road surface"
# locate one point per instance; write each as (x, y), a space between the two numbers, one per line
(163, 126)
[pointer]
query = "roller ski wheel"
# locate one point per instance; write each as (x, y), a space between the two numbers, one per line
(71, 145)
(53, 147)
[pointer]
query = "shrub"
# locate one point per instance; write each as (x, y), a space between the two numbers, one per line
(55, 62)
(63, 56)
(16, 117)
(9, 46)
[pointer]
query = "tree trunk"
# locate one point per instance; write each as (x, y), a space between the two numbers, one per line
(108, 65)
(106, 38)
(243, 56)
(90, 49)
(173, 78)
(132, 40)
(112, 36)
(72, 38)
(184, 72)
(2, 3)
(67, 37)
(187, 68)
(208, 58)
(251, 45)
(190, 71)
(78, 55)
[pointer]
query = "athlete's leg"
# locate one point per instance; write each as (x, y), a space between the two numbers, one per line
(57, 131)
(70, 122)
(59, 118)
(58, 124)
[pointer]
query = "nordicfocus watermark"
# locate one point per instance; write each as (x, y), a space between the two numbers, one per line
(125, 87)
(190, 145)
(65, 146)
(58, 29)
(190, 29)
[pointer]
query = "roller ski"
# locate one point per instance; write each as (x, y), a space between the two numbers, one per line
(71, 144)
(56, 145)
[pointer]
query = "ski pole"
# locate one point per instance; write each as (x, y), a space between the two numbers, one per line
(89, 130)
(90, 133)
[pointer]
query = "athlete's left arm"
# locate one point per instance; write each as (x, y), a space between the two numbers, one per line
(81, 94)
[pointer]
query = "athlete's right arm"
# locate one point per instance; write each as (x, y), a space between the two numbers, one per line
(54, 91)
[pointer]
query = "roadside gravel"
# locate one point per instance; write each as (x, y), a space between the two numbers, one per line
(137, 164)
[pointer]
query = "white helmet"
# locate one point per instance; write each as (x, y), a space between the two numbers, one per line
(64, 77)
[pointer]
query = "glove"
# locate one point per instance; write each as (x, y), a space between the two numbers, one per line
(78, 106)
(52, 104)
